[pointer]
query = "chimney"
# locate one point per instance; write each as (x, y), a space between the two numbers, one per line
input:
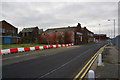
(85, 28)
(79, 25)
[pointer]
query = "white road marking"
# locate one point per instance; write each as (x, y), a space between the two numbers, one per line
(17, 56)
(62, 65)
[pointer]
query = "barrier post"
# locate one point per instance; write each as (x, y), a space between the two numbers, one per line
(91, 75)
(100, 60)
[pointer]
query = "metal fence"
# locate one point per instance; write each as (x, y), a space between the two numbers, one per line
(116, 41)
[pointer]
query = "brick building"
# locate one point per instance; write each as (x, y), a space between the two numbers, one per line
(100, 36)
(76, 35)
(50, 37)
(8, 33)
(64, 32)
(30, 35)
(88, 35)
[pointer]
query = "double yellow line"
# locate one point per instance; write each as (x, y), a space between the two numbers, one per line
(89, 64)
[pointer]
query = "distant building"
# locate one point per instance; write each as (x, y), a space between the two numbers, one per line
(64, 31)
(100, 36)
(30, 35)
(50, 37)
(88, 35)
(76, 35)
(8, 33)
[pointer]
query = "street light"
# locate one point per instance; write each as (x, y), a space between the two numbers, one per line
(114, 25)
(99, 32)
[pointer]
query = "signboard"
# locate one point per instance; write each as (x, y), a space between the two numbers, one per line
(79, 33)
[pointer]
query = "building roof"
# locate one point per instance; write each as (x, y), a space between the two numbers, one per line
(62, 29)
(87, 30)
(29, 29)
(7, 23)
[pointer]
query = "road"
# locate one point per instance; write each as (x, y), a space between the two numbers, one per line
(63, 62)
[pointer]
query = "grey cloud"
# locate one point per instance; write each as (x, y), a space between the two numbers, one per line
(48, 14)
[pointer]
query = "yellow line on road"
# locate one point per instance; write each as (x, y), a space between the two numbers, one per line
(96, 55)
(84, 67)
(89, 67)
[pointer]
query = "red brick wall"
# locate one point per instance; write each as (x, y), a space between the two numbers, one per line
(53, 37)
(69, 37)
(102, 37)
(9, 29)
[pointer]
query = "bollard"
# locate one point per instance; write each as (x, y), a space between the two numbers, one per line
(91, 75)
(100, 60)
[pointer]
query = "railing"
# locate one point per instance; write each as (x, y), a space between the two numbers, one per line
(16, 50)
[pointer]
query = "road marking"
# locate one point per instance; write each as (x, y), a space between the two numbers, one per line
(84, 67)
(88, 67)
(63, 65)
(17, 56)
(94, 58)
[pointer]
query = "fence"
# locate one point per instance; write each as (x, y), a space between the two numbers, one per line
(116, 41)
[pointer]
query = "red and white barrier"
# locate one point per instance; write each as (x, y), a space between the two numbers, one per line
(16, 50)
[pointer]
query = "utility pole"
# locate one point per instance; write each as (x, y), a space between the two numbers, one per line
(114, 25)
(114, 28)
(99, 32)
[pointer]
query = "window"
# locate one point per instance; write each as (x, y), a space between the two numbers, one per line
(39, 32)
(3, 30)
(81, 38)
(0, 30)
(91, 34)
(7, 31)
(88, 34)
(13, 32)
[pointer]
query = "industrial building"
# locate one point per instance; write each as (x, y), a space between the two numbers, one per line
(76, 35)
(100, 37)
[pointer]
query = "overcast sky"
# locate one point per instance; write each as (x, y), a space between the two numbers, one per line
(62, 14)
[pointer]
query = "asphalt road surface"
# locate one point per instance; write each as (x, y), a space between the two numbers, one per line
(63, 62)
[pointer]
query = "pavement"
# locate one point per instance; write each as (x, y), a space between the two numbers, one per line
(111, 63)
(55, 63)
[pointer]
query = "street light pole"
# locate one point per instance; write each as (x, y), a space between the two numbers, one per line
(114, 26)
(99, 32)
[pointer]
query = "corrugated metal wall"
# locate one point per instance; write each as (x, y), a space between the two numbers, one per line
(116, 41)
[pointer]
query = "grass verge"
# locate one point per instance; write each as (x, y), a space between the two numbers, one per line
(7, 46)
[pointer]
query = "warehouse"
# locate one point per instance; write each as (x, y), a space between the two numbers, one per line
(76, 35)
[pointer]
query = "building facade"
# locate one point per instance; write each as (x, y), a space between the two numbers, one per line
(100, 37)
(50, 37)
(8, 33)
(76, 35)
(88, 35)
(30, 35)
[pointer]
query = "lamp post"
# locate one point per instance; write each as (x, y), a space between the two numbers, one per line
(114, 25)
(99, 32)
